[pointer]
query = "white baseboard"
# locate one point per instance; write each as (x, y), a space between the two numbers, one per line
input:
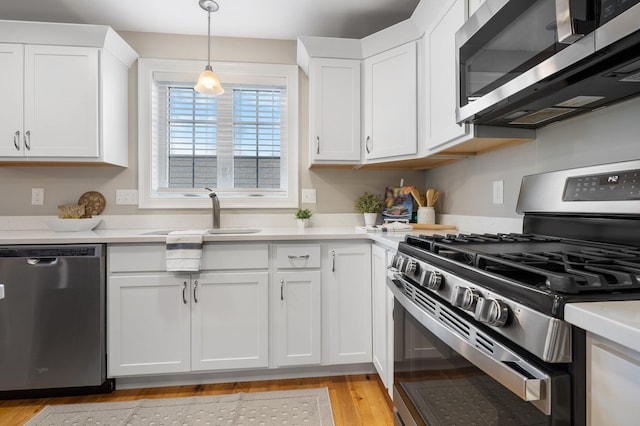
(139, 382)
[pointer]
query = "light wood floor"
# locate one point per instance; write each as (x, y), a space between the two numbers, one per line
(355, 400)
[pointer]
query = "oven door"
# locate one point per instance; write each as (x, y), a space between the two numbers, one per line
(449, 371)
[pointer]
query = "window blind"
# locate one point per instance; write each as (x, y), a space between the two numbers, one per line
(230, 142)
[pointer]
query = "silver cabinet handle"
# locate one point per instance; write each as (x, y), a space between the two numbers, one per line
(1, 291)
(195, 291)
(366, 144)
(184, 292)
(281, 289)
(333, 260)
(302, 256)
(27, 140)
(317, 144)
(16, 140)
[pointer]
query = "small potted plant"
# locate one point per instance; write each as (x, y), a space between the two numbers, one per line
(302, 217)
(370, 205)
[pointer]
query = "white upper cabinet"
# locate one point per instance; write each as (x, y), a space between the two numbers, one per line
(442, 77)
(65, 94)
(11, 107)
(61, 102)
(390, 103)
(334, 110)
(474, 5)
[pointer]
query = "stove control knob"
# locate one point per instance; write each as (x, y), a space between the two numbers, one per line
(466, 298)
(492, 311)
(396, 263)
(435, 280)
(411, 267)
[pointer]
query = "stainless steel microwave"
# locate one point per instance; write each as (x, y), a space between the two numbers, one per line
(529, 63)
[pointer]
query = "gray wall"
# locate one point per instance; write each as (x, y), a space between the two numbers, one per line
(336, 189)
(608, 135)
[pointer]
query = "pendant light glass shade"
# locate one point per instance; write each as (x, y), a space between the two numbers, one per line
(208, 81)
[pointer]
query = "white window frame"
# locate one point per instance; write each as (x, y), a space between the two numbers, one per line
(148, 197)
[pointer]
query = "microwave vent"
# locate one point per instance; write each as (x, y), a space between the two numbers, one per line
(542, 115)
(635, 78)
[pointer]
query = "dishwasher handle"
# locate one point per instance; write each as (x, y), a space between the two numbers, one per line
(1, 291)
(41, 261)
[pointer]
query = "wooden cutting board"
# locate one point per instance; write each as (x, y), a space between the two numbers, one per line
(434, 227)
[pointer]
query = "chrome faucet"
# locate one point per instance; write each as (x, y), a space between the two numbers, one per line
(216, 208)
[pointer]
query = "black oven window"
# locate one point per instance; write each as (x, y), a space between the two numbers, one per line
(440, 387)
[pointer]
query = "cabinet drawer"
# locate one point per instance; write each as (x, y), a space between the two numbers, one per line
(136, 258)
(235, 256)
(297, 256)
(151, 257)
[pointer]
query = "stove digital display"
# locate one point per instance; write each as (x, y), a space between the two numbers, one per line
(619, 186)
(609, 180)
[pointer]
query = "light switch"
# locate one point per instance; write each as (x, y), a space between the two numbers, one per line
(37, 196)
(498, 192)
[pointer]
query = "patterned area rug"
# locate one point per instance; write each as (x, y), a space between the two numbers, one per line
(309, 407)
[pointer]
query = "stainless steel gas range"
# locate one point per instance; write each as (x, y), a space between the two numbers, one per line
(479, 330)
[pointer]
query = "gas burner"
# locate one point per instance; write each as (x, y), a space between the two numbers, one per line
(541, 262)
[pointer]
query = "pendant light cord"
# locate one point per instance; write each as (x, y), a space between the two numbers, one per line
(209, 36)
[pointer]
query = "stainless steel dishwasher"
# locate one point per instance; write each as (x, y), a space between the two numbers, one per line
(52, 320)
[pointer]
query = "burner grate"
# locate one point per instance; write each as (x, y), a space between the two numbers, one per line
(548, 263)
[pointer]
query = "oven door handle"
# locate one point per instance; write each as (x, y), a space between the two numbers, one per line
(503, 365)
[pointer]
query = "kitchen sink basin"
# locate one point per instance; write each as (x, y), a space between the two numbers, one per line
(224, 231)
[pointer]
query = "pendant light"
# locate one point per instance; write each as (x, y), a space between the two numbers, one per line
(209, 82)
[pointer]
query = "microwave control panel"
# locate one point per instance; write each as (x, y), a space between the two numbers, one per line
(616, 186)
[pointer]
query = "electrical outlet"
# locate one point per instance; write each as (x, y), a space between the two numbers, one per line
(127, 196)
(308, 196)
(498, 192)
(37, 196)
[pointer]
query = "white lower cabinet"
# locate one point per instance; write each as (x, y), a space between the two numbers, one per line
(382, 314)
(612, 383)
(309, 304)
(296, 303)
(230, 321)
(166, 322)
(148, 324)
(296, 314)
(346, 283)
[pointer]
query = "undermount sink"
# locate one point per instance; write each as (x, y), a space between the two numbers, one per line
(210, 231)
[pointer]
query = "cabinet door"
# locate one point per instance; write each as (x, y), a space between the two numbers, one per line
(148, 324)
(443, 78)
(612, 383)
(390, 103)
(346, 284)
(11, 106)
(334, 108)
(296, 306)
(382, 305)
(474, 5)
(230, 321)
(61, 101)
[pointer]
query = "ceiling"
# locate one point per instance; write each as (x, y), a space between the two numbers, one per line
(277, 19)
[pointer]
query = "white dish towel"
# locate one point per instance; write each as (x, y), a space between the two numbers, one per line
(184, 250)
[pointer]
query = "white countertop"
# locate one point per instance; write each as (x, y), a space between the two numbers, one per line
(616, 321)
(143, 236)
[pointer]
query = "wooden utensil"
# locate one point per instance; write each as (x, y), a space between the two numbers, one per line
(432, 197)
(416, 196)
